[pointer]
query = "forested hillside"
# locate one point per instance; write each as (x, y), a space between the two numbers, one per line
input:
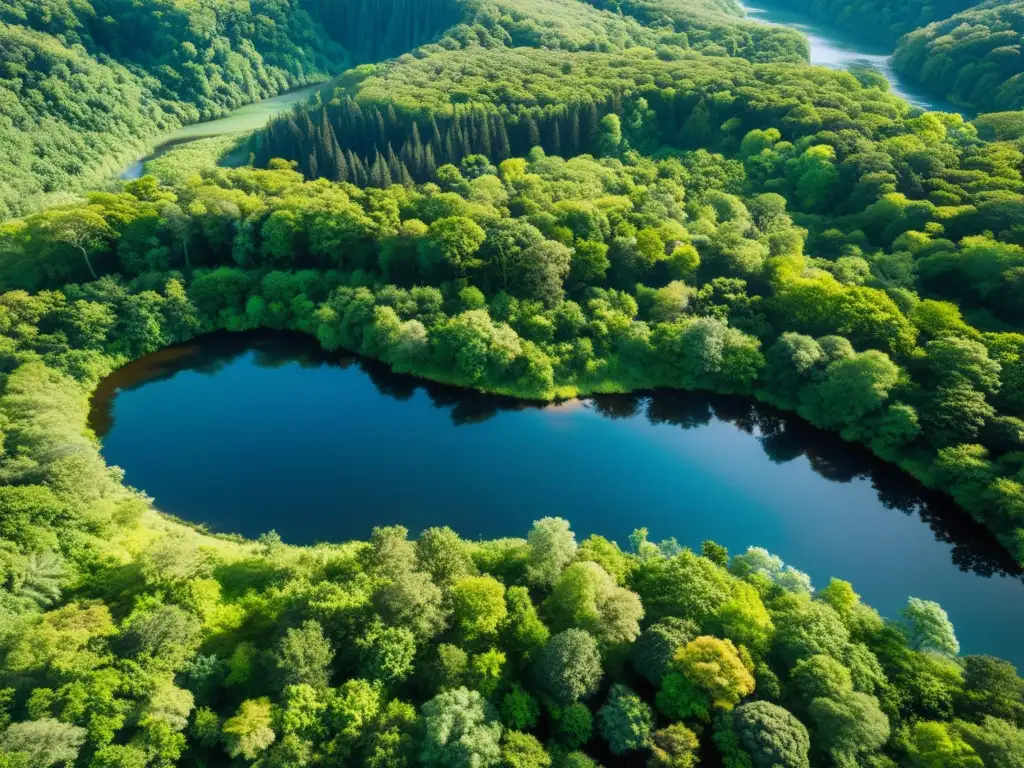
(885, 19)
(714, 27)
(85, 85)
(502, 102)
(198, 58)
(378, 30)
(973, 58)
(88, 85)
(546, 198)
(65, 117)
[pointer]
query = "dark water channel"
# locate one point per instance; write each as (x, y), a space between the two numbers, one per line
(248, 433)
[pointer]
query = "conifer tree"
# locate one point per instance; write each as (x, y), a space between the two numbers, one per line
(503, 151)
(380, 176)
(532, 133)
(574, 134)
(591, 128)
(429, 163)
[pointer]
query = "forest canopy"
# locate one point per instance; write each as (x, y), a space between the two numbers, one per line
(87, 86)
(972, 58)
(546, 199)
(888, 19)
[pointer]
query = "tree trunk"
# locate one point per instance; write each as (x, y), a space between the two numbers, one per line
(88, 263)
(504, 266)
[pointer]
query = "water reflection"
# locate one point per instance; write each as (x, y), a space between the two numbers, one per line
(783, 438)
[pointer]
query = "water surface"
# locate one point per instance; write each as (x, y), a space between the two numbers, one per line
(837, 48)
(247, 433)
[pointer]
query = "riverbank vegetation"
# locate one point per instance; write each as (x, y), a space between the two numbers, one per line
(887, 20)
(965, 52)
(88, 86)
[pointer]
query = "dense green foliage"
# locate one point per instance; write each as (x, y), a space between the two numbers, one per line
(426, 112)
(552, 199)
(885, 19)
(714, 27)
(449, 651)
(85, 84)
(377, 30)
(556, 277)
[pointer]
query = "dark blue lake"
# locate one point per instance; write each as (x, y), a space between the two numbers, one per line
(248, 433)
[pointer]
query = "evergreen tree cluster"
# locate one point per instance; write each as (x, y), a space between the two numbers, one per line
(374, 30)
(381, 148)
(411, 116)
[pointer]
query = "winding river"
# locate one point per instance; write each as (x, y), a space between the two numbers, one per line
(247, 118)
(829, 46)
(836, 48)
(247, 433)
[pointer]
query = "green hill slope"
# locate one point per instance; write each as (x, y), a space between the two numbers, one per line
(88, 84)
(973, 58)
(85, 85)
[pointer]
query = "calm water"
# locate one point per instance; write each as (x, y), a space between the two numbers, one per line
(257, 432)
(837, 48)
(247, 118)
